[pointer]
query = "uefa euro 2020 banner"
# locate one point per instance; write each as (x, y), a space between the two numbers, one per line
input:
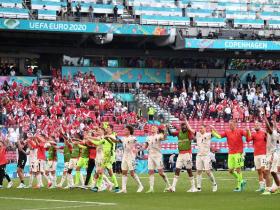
(77, 27)
(232, 44)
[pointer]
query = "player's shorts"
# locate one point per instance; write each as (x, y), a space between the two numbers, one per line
(66, 166)
(203, 163)
(184, 160)
(21, 163)
(235, 161)
(260, 161)
(272, 166)
(73, 163)
(99, 163)
(82, 162)
(128, 164)
(34, 166)
(42, 166)
(51, 165)
(107, 162)
(155, 162)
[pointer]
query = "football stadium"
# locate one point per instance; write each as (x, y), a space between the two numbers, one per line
(139, 104)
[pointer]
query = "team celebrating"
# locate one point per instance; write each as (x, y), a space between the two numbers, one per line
(93, 150)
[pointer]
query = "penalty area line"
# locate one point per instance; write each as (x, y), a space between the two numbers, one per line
(59, 201)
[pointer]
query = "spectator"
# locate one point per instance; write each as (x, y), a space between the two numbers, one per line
(115, 10)
(78, 11)
(91, 13)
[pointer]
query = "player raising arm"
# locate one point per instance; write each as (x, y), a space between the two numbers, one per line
(203, 161)
(185, 155)
(153, 144)
(271, 157)
(235, 144)
(259, 141)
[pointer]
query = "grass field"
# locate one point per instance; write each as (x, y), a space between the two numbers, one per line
(77, 199)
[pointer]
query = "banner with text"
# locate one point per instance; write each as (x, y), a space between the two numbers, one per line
(77, 27)
(104, 74)
(232, 44)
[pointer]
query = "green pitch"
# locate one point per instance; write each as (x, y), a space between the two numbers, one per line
(78, 199)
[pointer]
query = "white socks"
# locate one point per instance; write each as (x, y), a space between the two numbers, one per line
(31, 179)
(198, 180)
(152, 181)
(136, 178)
(212, 178)
(62, 180)
(165, 178)
(124, 182)
(192, 182)
(175, 180)
(82, 179)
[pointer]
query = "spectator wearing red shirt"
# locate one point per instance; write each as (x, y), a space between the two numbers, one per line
(235, 155)
(259, 142)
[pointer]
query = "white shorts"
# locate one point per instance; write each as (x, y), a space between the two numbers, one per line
(272, 166)
(260, 161)
(203, 163)
(34, 166)
(155, 162)
(99, 163)
(42, 166)
(128, 164)
(72, 163)
(51, 165)
(66, 166)
(184, 160)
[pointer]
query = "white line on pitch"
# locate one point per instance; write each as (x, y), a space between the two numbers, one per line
(61, 207)
(58, 201)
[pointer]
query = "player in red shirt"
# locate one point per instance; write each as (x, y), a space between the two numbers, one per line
(3, 162)
(41, 155)
(235, 155)
(259, 142)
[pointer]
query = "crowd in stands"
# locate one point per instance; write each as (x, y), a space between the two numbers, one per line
(157, 63)
(231, 100)
(8, 70)
(63, 104)
(254, 64)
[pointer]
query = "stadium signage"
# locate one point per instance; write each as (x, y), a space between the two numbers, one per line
(57, 26)
(76, 27)
(232, 44)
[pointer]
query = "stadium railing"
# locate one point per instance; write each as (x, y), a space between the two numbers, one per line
(164, 20)
(14, 13)
(247, 23)
(98, 8)
(46, 14)
(11, 3)
(157, 11)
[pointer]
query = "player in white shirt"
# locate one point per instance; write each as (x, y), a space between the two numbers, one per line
(33, 161)
(271, 158)
(203, 161)
(153, 144)
(128, 160)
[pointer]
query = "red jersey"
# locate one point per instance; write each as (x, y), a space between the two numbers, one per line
(92, 153)
(259, 141)
(234, 139)
(41, 153)
(3, 158)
